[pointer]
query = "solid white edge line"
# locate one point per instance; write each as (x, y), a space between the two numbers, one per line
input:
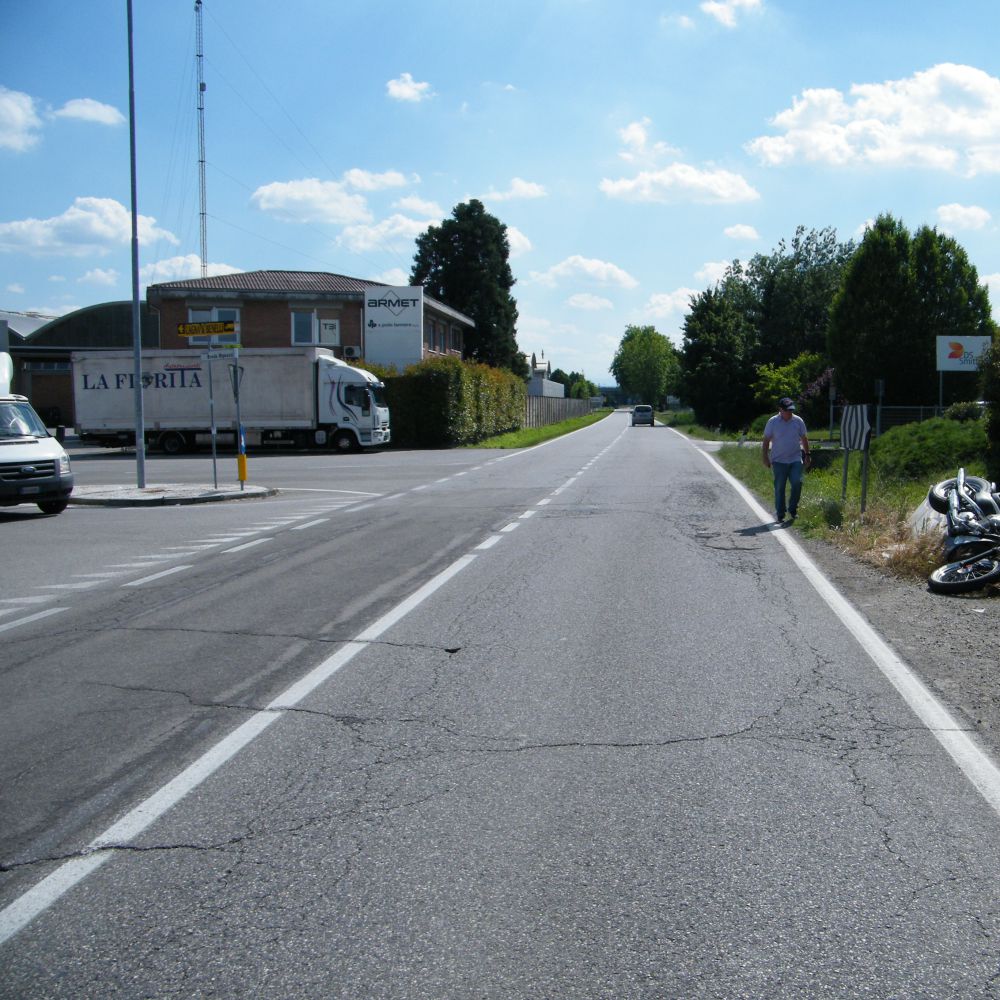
(960, 744)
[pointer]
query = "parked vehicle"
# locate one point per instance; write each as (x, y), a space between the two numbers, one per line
(642, 414)
(301, 396)
(972, 542)
(33, 466)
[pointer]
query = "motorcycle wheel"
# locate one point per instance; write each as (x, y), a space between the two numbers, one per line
(937, 495)
(961, 577)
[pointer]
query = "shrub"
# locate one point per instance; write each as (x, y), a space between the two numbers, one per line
(969, 410)
(915, 451)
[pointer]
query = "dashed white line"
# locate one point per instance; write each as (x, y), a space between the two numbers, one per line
(156, 576)
(310, 524)
(37, 616)
(247, 545)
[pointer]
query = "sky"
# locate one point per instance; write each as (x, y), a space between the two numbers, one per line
(632, 150)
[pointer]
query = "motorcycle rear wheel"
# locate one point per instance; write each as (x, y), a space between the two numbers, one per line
(937, 495)
(961, 577)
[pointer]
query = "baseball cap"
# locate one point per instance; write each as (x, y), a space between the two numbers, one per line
(786, 404)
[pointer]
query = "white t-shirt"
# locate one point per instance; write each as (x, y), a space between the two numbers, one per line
(786, 437)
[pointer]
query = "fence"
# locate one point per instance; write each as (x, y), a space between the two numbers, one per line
(542, 410)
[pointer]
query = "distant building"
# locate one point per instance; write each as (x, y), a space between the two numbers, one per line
(539, 383)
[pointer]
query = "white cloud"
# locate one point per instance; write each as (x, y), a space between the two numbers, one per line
(420, 206)
(394, 233)
(100, 276)
(680, 20)
(680, 181)
(395, 276)
(944, 118)
(664, 305)
(88, 110)
(88, 226)
(955, 217)
(712, 272)
(179, 268)
(405, 88)
(365, 180)
(589, 302)
(19, 122)
(638, 148)
(15, 289)
(725, 11)
(518, 189)
(577, 267)
(311, 200)
(741, 232)
(519, 243)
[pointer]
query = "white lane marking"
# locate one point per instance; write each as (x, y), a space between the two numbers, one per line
(310, 524)
(357, 493)
(542, 503)
(417, 489)
(84, 585)
(40, 897)
(489, 543)
(527, 514)
(961, 745)
(25, 600)
(156, 576)
(98, 576)
(38, 616)
(247, 545)
(510, 527)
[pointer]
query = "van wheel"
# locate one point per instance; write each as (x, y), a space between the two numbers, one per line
(52, 506)
(344, 441)
(172, 443)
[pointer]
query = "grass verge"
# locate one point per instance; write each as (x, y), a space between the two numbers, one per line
(536, 435)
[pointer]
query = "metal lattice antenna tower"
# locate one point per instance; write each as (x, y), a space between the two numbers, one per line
(203, 212)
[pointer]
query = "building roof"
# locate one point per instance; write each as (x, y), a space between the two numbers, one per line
(308, 282)
(24, 324)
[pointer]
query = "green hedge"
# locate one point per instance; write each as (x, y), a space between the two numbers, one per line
(442, 402)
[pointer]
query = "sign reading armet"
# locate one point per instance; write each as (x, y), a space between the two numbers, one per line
(205, 329)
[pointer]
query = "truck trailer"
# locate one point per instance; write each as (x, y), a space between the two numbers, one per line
(302, 396)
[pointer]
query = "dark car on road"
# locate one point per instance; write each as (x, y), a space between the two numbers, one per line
(642, 414)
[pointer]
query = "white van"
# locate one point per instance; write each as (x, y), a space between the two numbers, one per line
(33, 466)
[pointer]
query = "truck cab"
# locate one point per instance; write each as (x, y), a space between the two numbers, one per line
(352, 405)
(33, 466)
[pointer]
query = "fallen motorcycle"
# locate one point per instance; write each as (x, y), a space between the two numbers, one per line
(972, 542)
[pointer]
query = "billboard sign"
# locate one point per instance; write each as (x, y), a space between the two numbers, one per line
(960, 354)
(394, 325)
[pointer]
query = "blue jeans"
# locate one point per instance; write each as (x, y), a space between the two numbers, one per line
(787, 472)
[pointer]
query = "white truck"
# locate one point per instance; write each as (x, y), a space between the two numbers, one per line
(33, 466)
(298, 395)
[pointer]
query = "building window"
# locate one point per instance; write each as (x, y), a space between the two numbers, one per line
(215, 315)
(309, 329)
(456, 338)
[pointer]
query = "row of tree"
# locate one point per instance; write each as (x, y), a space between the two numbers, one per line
(813, 318)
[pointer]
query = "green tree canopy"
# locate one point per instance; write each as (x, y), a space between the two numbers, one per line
(464, 262)
(646, 365)
(717, 357)
(898, 295)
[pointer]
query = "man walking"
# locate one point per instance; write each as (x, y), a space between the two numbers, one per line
(785, 449)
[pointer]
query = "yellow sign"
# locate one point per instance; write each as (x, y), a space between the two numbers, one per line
(205, 329)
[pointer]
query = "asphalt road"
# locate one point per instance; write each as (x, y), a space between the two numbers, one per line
(565, 722)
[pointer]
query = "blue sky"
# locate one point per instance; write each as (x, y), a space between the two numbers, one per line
(632, 149)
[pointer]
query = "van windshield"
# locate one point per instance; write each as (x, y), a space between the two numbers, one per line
(19, 420)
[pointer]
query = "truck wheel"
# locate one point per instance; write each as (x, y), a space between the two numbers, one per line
(52, 506)
(344, 441)
(172, 443)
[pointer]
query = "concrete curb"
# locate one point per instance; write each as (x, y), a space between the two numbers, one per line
(166, 495)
